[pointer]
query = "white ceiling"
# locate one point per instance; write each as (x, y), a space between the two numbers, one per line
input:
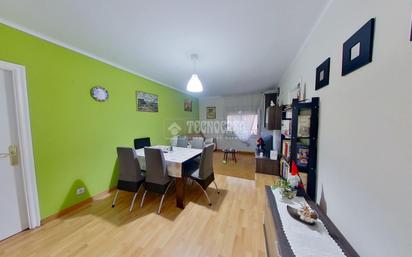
(243, 45)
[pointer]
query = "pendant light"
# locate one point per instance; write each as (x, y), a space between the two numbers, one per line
(194, 85)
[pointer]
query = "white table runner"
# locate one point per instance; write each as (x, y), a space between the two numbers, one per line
(305, 240)
(174, 159)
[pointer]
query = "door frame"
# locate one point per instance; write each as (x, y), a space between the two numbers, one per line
(25, 141)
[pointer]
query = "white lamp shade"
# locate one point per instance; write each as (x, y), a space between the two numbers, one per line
(194, 84)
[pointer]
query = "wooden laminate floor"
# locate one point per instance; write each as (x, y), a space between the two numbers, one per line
(232, 226)
(244, 167)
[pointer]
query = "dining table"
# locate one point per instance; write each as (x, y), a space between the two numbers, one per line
(177, 160)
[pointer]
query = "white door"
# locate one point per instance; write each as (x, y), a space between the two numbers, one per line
(13, 209)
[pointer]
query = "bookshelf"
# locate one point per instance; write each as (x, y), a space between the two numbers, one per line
(299, 139)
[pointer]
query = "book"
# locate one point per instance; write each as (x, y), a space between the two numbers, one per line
(286, 128)
(285, 169)
(286, 148)
(304, 126)
(302, 158)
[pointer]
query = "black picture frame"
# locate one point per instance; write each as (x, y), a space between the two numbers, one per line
(322, 74)
(411, 30)
(363, 41)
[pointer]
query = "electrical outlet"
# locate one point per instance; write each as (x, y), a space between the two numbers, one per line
(80, 191)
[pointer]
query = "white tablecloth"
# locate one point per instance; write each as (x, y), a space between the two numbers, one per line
(174, 159)
(305, 240)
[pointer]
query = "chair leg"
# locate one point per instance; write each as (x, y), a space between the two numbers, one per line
(115, 198)
(163, 196)
(132, 205)
(134, 198)
(144, 195)
(204, 191)
(216, 187)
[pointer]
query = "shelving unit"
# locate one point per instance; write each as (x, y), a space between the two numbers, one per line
(284, 157)
(304, 146)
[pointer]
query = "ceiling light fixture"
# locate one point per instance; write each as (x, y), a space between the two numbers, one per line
(194, 85)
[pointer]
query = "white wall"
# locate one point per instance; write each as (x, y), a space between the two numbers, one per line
(365, 134)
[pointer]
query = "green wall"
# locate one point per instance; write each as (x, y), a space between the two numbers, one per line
(75, 137)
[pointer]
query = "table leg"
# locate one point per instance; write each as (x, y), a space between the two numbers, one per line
(180, 192)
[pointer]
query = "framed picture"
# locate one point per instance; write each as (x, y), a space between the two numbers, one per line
(303, 125)
(211, 113)
(188, 105)
(322, 74)
(301, 91)
(358, 49)
(302, 155)
(146, 102)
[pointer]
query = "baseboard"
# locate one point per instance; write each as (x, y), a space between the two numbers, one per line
(240, 152)
(75, 207)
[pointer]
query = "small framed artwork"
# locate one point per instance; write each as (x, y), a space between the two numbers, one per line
(146, 102)
(188, 105)
(211, 112)
(322, 74)
(358, 50)
(301, 91)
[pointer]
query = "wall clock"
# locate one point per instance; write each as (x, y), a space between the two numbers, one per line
(99, 94)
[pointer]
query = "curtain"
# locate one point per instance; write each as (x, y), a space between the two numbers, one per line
(242, 124)
(243, 115)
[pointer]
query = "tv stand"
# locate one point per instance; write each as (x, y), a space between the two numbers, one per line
(267, 166)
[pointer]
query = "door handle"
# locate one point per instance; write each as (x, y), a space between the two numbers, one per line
(12, 154)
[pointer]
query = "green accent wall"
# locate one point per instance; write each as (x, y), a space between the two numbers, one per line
(75, 137)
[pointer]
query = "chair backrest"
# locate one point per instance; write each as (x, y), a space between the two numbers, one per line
(206, 162)
(173, 141)
(128, 165)
(198, 142)
(181, 141)
(141, 142)
(211, 140)
(156, 170)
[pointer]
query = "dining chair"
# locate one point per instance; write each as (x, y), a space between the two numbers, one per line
(198, 142)
(130, 176)
(173, 141)
(141, 142)
(204, 176)
(157, 179)
(182, 141)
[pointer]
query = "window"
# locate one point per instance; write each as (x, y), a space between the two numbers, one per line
(247, 123)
